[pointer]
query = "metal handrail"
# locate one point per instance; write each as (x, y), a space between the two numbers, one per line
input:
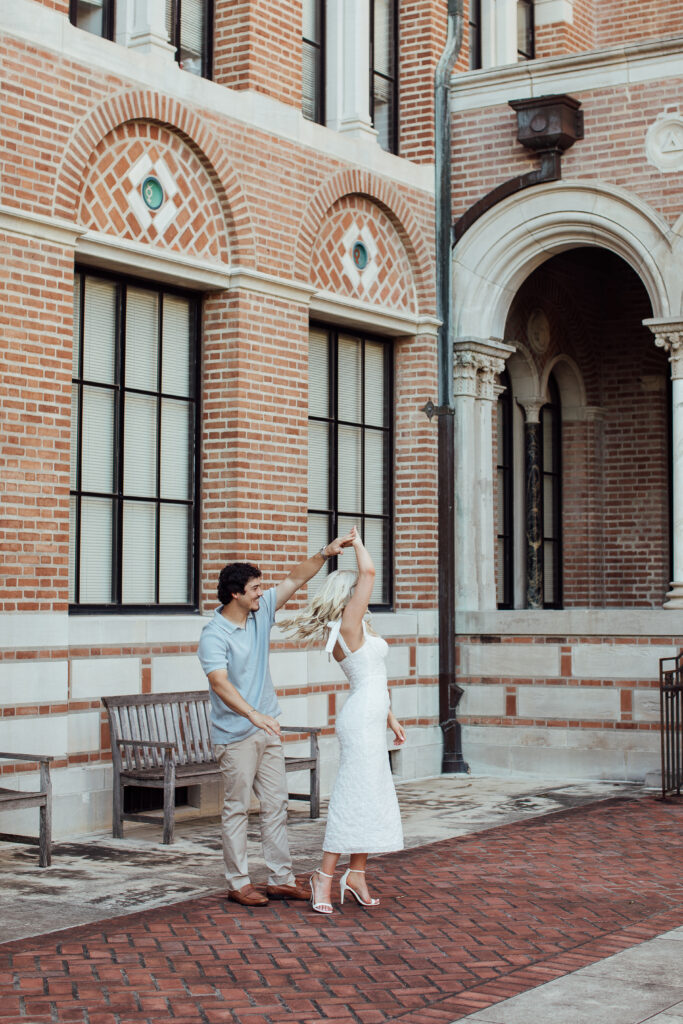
(671, 723)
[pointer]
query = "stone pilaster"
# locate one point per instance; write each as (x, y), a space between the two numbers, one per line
(477, 364)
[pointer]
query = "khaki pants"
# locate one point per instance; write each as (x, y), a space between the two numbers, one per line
(256, 763)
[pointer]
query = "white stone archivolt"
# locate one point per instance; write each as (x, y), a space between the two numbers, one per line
(502, 248)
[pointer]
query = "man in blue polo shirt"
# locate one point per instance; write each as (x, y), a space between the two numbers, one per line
(233, 650)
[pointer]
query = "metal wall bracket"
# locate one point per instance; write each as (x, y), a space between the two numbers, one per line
(437, 410)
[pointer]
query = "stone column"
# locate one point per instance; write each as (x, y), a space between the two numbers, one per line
(147, 33)
(669, 336)
(533, 485)
(476, 365)
(347, 77)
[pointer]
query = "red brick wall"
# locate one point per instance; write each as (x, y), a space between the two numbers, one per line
(36, 306)
(620, 22)
(561, 38)
(415, 475)
(257, 45)
(422, 37)
(486, 152)
(255, 409)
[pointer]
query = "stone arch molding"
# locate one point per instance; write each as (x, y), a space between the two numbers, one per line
(388, 198)
(500, 250)
(146, 105)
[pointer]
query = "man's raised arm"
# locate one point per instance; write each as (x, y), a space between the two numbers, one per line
(305, 571)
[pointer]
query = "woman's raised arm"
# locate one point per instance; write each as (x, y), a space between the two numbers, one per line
(352, 618)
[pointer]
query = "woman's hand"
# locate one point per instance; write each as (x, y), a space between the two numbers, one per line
(336, 546)
(397, 729)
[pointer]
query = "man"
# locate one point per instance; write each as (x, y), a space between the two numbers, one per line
(233, 650)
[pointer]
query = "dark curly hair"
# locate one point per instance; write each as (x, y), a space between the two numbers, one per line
(234, 578)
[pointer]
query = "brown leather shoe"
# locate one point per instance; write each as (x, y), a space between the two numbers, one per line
(288, 892)
(248, 896)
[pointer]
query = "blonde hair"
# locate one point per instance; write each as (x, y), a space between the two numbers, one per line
(310, 625)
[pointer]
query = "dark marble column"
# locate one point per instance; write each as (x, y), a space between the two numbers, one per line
(534, 512)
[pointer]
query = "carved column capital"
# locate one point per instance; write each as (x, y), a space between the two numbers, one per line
(669, 336)
(532, 408)
(476, 364)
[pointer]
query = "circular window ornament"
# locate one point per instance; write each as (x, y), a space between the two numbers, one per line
(664, 142)
(538, 331)
(152, 192)
(359, 254)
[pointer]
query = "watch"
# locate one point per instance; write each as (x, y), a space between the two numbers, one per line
(322, 553)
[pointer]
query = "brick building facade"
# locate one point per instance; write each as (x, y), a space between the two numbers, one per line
(220, 328)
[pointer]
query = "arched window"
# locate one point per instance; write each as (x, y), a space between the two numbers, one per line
(504, 494)
(551, 462)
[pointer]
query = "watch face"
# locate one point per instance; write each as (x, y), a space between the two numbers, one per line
(538, 331)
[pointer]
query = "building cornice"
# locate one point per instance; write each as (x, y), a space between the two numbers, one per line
(651, 60)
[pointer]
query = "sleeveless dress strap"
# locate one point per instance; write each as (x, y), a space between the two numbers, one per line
(335, 635)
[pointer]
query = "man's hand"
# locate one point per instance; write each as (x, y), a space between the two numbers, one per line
(307, 570)
(270, 726)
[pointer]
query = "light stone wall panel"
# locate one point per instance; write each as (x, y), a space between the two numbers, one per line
(618, 661)
(28, 682)
(479, 699)
(35, 735)
(404, 701)
(525, 660)
(589, 702)
(92, 678)
(428, 660)
(83, 732)
(428, 701)
(646, 706)
(177, 672)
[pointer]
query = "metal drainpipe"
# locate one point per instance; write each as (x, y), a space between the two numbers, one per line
(449, 691)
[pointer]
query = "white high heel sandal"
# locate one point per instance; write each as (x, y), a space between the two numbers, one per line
(344, 885)
(320, 906)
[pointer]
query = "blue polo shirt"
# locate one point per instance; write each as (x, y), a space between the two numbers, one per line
(244, 653)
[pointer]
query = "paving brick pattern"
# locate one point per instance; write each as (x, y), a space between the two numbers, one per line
(463, 924)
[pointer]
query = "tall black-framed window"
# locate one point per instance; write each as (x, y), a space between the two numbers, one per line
(96, 16)
(189, 24)
(504, 497)
(134, 446)
(475, 34)
(384, 72)
(350, 448)
(551, 454)
(525, 30)
(313, 61)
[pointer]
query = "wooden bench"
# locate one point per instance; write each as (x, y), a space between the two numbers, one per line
(15, 799)
(163, 741)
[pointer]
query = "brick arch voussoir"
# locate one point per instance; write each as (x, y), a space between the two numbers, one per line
(387, 197)
(145, 105)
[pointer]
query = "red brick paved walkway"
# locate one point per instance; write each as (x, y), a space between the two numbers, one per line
(463, 924)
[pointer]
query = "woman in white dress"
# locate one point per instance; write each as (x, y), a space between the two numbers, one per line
(363, 815)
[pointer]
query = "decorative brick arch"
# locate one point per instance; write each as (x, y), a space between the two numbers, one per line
(146, 105)
(389, 199)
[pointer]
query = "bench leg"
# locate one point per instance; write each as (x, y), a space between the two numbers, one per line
(315, 792)
(117, 809)
(169, 799)
(45, 833)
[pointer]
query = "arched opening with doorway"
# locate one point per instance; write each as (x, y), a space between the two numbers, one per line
(588, 411)
(562, 391)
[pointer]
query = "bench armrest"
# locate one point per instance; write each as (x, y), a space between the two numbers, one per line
(312, 729)
(154, 744)
(26, 757)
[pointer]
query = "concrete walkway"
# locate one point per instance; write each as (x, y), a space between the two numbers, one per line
(512, 903)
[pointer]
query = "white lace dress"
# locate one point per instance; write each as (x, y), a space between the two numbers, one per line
(363, 815)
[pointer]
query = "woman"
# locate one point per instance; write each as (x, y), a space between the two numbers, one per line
(363, 815)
